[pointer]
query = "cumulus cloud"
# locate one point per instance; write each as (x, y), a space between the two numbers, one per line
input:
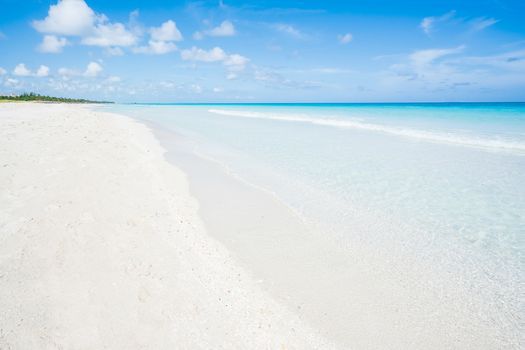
(167, 31)
(196, 54)
(345, 38)
(93, 69)
(226, 28)
(66, 72)
(2, 71)
(110, 34)
(21, 70)
(43, 71)
(234, 62)
(161, 39)
(156, 48)
(76, 18)
(67, 17)
(52, 44)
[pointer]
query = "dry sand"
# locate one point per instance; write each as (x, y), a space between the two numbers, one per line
(101, 245)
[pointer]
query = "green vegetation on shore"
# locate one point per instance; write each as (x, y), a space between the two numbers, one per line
(42, 98)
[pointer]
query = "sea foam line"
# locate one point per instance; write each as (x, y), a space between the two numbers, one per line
(492, 144)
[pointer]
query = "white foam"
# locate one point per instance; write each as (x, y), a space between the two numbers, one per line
(423, 135)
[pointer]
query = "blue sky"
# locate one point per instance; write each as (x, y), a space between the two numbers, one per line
(264, 51)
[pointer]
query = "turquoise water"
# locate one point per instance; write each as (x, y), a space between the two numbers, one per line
(439, 183)
(453, 169)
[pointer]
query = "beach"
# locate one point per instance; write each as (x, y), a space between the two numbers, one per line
(260, 227)
(262, 175)
(102, 246)
(383, 225)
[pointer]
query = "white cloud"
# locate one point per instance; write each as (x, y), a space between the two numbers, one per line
(345, 38)
(67, 17)
(422, 58)
(156, 48)
(218, 89)
(428, 23)
(261, 75)
(110, 34)
(513, 61)
(43, 71)
(113, 79)
(66, 72)
(161, 39)
(288, 29)
(447, 70)
(93, 69)
(226, 28)
(233, 62)
(231, 76)
(2, 71)
(168, 31)
(480, 23)
(21, 70)
(76, 18)
(236, 62)
(11, 82)
(133, 23)
(52, 44)
(196, 54)
(167, 84)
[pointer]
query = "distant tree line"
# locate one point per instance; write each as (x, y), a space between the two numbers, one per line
(31, 96)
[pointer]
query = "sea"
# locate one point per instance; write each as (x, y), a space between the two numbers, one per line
(427, 197)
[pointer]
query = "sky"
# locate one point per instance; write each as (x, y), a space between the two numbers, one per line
(264, 51)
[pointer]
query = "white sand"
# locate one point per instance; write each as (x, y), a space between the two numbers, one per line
(101, 245)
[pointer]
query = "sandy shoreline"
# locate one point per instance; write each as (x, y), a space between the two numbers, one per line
(101, 245)
(387, 294)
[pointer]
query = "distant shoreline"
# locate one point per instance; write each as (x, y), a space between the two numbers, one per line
(32, 97)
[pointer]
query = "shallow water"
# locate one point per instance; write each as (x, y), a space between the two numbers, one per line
(429, 200)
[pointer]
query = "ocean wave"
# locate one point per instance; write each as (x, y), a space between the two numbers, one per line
(448, 138)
